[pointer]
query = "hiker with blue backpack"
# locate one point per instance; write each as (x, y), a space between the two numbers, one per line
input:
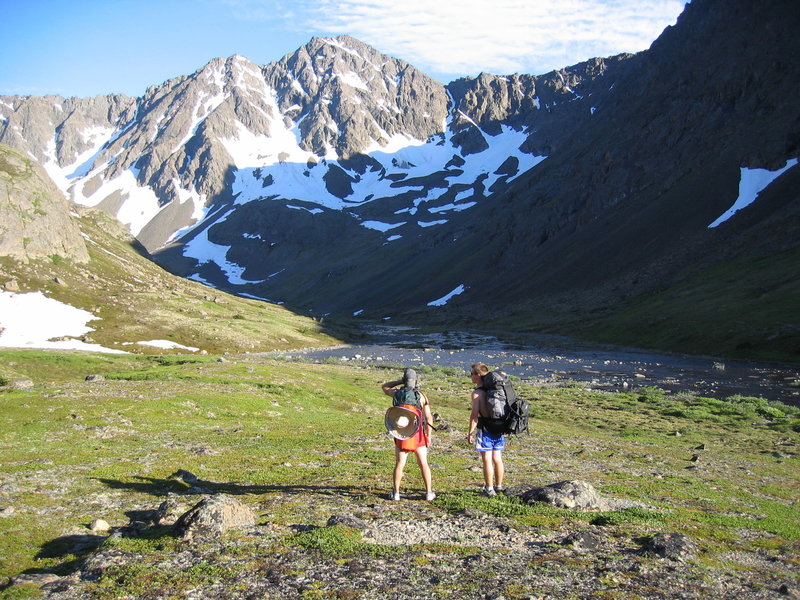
(410, 422)
(496, 411)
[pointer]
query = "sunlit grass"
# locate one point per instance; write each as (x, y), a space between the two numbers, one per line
(263, 428)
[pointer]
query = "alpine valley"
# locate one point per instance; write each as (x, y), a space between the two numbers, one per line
(648, 199)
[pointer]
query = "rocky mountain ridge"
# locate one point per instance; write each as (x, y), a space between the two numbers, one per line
(320, 178)
(160, 162)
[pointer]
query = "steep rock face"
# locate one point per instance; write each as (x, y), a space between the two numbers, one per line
(35, 218)
(624, 202)
(61, 129)
(550, 106)
(349, 97)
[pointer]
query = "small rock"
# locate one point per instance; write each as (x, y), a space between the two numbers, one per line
(185, 476)
(99, 525)
(789, 592)
(582, 540)
(12, 285)
(38, 579)
(674, 546)
(20, 384)
(348, 521)
(7, 511)
(95, 377)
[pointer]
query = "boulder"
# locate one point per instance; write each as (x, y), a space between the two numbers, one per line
(577, 495)
(213, 516)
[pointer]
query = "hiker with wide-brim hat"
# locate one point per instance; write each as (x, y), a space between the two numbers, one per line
(409, 422)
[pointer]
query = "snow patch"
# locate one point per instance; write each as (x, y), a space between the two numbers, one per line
(164, 344)
(432, 223)
(32, 320)
(313, 211)
(751, 183)
(204, 251)
(446, 298)
(353, 80)
(378, 226)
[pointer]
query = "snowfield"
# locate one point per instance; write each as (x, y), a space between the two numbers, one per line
(33, 320)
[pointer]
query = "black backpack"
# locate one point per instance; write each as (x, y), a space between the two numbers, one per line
(407, 395)
(508, 412)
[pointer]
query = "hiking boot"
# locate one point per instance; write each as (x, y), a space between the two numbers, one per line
(394, 496)
(489, 492)
(499, 489)
(430, 496)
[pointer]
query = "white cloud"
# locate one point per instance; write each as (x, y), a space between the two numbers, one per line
(496, 36)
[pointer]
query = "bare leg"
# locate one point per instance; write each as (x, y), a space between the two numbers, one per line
(488, 469)
(399, 466)
(422, 460)
(499, 467)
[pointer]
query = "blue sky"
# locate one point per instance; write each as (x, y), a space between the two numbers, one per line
(91, 47)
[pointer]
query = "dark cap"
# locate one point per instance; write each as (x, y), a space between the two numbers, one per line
(410, 378)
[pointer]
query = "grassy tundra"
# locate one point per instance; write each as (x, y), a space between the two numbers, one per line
(298, 442)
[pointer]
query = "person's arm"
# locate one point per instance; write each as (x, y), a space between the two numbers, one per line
(388, 387)
(426, 409)
(474, 414)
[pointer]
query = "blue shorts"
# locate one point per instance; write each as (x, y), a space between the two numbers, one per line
(486, 442)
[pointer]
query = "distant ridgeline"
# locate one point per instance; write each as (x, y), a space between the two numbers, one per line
(541, 202)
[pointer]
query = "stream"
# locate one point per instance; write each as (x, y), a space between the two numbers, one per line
(544, 360)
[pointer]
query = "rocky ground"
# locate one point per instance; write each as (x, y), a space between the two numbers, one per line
(370, 547)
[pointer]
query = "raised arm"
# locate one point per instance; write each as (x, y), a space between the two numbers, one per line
(388, 387)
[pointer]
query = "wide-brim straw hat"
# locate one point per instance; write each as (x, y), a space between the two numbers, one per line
(401, 423)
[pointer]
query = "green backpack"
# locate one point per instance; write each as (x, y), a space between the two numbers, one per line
(407, 395)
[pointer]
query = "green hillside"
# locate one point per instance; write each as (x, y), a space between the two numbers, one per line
(136, 300)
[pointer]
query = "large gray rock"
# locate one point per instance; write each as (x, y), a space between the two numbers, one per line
(577, 495)
(35, 219)
(214, 516)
